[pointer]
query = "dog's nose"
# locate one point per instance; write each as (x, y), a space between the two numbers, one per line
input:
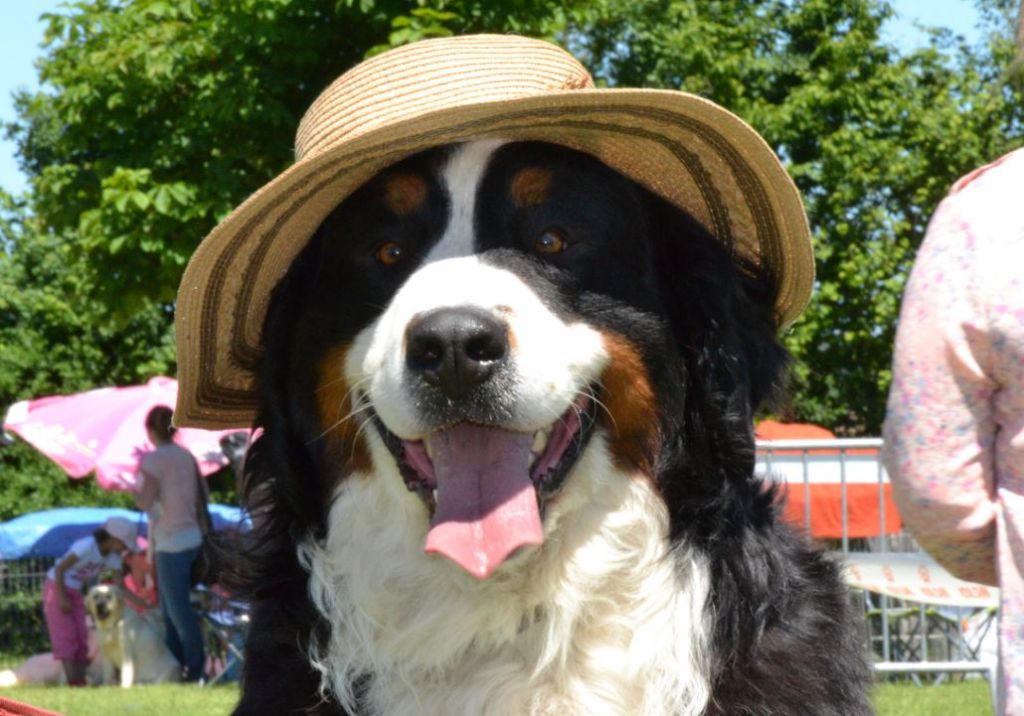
(455, 349)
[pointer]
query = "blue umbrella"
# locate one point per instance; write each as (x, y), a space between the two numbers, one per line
(50, 533)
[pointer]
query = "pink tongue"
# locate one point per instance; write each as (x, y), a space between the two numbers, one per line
(486, 504)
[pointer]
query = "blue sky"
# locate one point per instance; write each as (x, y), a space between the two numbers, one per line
(21, 33)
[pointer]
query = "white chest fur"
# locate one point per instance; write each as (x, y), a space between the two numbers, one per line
(599, 620)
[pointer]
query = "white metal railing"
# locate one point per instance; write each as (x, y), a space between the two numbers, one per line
(842, 462)
(807, 466)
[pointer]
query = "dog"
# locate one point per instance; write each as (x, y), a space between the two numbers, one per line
(44, 669)
(505, 461)
(131, 646)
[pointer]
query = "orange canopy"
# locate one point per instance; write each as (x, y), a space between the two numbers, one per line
(774, 430)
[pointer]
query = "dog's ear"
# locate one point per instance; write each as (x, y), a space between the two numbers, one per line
(277, 485)
(731, 363)
(721, 310)
(278, 456)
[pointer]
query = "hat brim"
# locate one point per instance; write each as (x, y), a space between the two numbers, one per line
(683, 148)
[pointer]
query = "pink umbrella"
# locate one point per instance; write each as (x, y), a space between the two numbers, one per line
(103, 431)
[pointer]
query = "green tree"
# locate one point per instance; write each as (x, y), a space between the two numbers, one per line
(53, 337)
(160, 116)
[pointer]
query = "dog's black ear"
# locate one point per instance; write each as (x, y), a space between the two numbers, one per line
(286, 392)
(720, 309)
(275, 486)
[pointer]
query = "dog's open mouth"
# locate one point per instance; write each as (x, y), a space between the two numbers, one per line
(486, 486)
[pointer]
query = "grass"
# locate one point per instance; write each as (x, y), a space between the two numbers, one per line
(966, 698)
(969, 698)
(163, 700)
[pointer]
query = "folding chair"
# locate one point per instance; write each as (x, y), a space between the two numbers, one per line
(224, 622)
(914, 593)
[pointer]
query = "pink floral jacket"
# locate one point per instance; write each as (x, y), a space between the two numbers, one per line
(955, 425)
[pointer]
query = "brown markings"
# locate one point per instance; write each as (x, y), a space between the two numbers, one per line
(506, 313)
(530, 186)
(405, 193)
(630, 407)
(338, 427)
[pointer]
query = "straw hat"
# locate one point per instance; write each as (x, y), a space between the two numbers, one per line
(684, 148)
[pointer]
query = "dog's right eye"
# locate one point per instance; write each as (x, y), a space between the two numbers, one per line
(390, 253)
(550, 242)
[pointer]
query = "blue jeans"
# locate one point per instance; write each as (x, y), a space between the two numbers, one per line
(174, 582)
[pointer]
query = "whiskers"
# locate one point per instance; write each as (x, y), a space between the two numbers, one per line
(591, 393)
(359, 404)
(590, 388)
(363, 424)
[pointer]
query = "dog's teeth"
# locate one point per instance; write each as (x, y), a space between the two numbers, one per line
(532, 459)
(540, 441)
(429, 445)
(434, 493)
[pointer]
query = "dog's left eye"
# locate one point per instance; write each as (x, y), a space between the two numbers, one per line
(550, 242)
(390, 253)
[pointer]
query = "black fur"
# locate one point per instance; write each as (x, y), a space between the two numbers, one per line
(784, 639)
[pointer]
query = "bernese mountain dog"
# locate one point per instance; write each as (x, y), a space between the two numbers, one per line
(505, 462)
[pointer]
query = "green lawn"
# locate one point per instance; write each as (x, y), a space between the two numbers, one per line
(963, 699)
(165, 700)
(968, 698)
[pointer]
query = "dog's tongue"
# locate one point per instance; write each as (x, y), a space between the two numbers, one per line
(486, 503)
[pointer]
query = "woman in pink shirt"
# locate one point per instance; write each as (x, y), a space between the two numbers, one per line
(173, 494)
(954, 430)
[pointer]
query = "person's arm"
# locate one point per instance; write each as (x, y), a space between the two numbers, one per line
(202, 501)
(131, 596)
(63, 566)
(149, 488)
(939, 430)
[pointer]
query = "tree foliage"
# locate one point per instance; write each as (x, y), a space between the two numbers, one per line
(164, 114)
(157, 117)
(55, 339)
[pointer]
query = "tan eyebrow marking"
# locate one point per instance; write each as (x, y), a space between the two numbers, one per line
(405, 193)
(530, 186)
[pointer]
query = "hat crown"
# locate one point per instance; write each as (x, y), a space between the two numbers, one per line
(122, 529)
(413, 80)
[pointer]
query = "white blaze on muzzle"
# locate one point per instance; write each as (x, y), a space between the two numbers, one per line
(485, 476)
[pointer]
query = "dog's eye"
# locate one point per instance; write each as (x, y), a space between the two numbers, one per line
(390, 253)
(550, 242)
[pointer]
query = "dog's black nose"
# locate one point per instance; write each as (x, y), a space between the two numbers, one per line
(455, 349)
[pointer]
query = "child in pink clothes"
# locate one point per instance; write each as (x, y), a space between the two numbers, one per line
(63, 603)
(954, 432)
